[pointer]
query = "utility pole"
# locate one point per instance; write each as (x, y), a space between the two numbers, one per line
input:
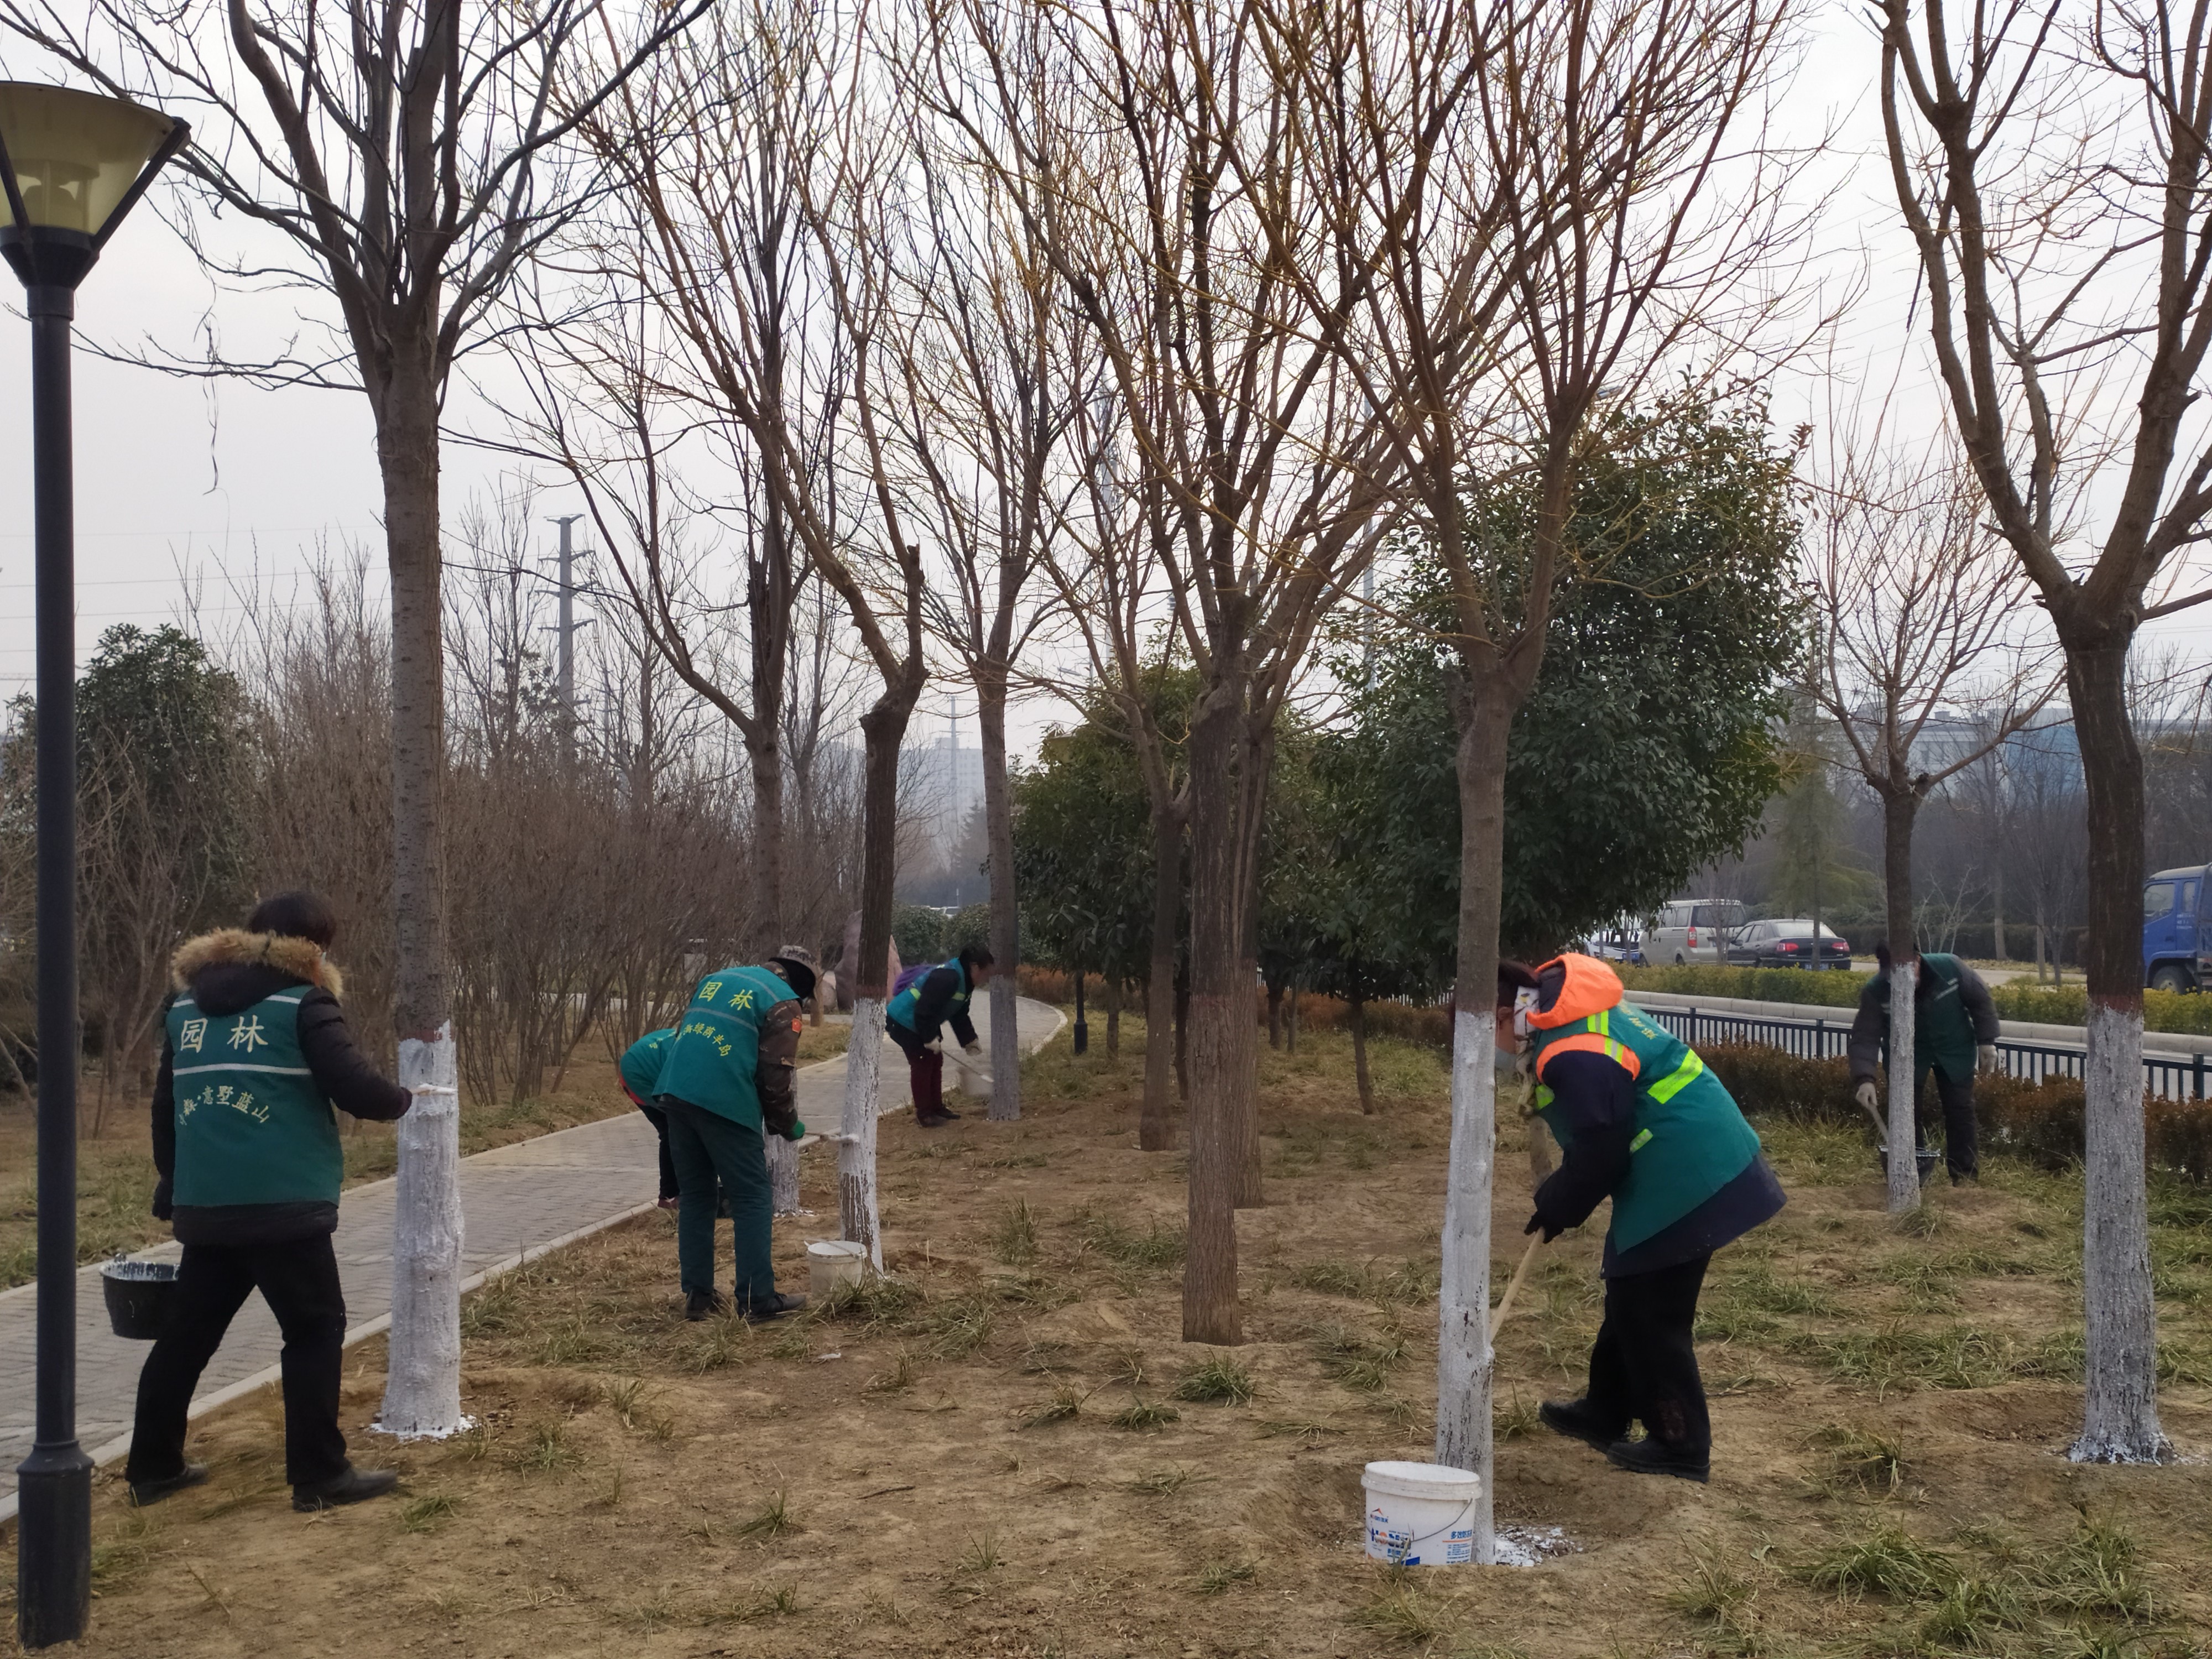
(565, 632)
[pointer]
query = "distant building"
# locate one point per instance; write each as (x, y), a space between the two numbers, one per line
(941, 783)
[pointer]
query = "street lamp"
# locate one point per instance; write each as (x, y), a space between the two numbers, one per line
(73, 164)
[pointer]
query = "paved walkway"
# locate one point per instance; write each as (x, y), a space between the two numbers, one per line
(519, 1202)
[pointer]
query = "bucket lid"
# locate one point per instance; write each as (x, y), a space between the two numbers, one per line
(1431, 1480)
(837, 1247)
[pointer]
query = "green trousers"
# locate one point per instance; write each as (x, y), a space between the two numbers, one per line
(706, 1147)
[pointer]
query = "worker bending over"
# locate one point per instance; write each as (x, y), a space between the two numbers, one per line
(917, 1015)
(1639, 1120)
(640, 1066)
(730, 1073)
(1953, 1017)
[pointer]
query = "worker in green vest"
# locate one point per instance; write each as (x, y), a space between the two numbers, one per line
(1954, 1028)
(1639, 1120)
(928, 1000)
(728, 1075)
(246, 1145)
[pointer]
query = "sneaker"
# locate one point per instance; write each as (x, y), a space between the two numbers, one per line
(354, 1486)
(143, 1492)
(1575, 1419)
(704, 1304)
(931, 1119)
(759, 1313)
(1650, 1456)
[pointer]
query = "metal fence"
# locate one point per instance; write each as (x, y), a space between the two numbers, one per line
(1818, 1037)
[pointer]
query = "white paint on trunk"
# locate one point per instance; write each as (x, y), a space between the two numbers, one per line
(1904, 1129)
(782, 1173)
(422, 1380)
(1005, 1051)
(2119, 1420)
(856, 1154)
(1463, 1353)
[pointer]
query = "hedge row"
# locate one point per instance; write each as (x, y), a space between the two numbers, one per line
(2041, 1122)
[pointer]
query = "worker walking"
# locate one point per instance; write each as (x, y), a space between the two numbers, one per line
(729, 1073)
(1639, 1120)
(1955, 1026)
(915, 1017)
(246, 1145)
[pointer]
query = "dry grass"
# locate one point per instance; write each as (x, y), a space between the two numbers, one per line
(637, 1482)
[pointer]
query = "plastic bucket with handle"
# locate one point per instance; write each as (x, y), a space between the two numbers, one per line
(832, 1263)
(138, 1295)
(1420, 1514)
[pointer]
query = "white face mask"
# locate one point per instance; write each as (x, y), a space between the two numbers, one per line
(1524, 1004)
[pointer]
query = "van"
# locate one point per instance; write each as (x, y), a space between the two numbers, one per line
(1693, 930)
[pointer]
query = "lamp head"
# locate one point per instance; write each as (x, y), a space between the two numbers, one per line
(72, 164)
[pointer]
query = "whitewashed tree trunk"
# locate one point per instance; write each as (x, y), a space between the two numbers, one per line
(1904, 1130)
(856, 1155)
(423, 1383)
(1463, 1353)
(2120, 1412)
(782, 1173)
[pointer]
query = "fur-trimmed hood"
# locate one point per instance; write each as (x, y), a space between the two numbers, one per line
(300, 959)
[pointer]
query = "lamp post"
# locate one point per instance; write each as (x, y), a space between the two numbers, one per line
(73, 164)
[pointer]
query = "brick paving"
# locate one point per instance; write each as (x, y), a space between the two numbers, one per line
(518, 1201)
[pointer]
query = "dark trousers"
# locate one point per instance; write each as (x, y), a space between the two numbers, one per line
(1960, 1153)
(299, 1280)
(1644, 1365)
(925, 1069)
(659, 1118)
(707, 1148)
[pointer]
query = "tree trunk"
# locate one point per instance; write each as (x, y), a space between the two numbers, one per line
(2120, 1423)
(1183, 1036)
(1223, 1032)
(1112, 1016)
(882, 727)
(1274, 1015)
(1156, 1129)
(1005, 932)
(1290, 1023)
(1359, 1054)
(767, 758)
(1900, 805)
(423, 1381)
(1463, 1351)
(1996, 906)
(782, 1173)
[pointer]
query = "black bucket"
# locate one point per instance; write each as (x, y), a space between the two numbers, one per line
(139, 1296)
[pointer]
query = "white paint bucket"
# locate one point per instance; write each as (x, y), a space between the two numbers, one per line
(834, 1261)
(1420, 1514)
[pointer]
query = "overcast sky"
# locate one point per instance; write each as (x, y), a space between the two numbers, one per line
(185, 480)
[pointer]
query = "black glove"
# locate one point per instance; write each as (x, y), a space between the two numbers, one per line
(161, 1201)
(1550, 1231)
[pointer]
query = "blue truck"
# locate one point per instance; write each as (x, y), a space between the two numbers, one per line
(2177, 949)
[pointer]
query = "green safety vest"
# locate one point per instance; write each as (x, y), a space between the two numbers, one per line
(1690, 1141)
(711, 1059)
(902, 1007)
(1942, 1032)
(251, 1126)
(641, 1061)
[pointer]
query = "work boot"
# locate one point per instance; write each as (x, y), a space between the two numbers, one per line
(1577, 1420)
(354, 1486)
(1652, 1455)
(774, 1307)
(932, 1119)
(704, 1304)
(143, 1492)
(946, 1111)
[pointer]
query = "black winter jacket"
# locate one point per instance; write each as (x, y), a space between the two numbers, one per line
(225, 972)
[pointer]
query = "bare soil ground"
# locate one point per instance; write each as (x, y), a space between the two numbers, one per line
(1007, 1450)
(115, 1168)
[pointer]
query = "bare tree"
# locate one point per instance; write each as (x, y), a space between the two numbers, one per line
(2055, 177)
(410, 155)
(1923, 670)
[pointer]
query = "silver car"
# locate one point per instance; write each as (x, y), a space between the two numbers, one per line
(1694, 930)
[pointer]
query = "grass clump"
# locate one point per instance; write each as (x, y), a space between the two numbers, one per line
(1163, 1483)
(1157, 1247)
(1401, 1614)
(1361, 1363)
(1142, 1415)
(1330, 1279)
(773, 1519)
(1886, 1561)
(1859, 1460)
(424, 1513)
(1064, 1405)
(1217, 1379)
(1015, 1241)
(1218, 1576)
(547, 1451)
(1513, 1420)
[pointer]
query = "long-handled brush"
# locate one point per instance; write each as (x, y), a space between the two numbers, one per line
(1505, 1302)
